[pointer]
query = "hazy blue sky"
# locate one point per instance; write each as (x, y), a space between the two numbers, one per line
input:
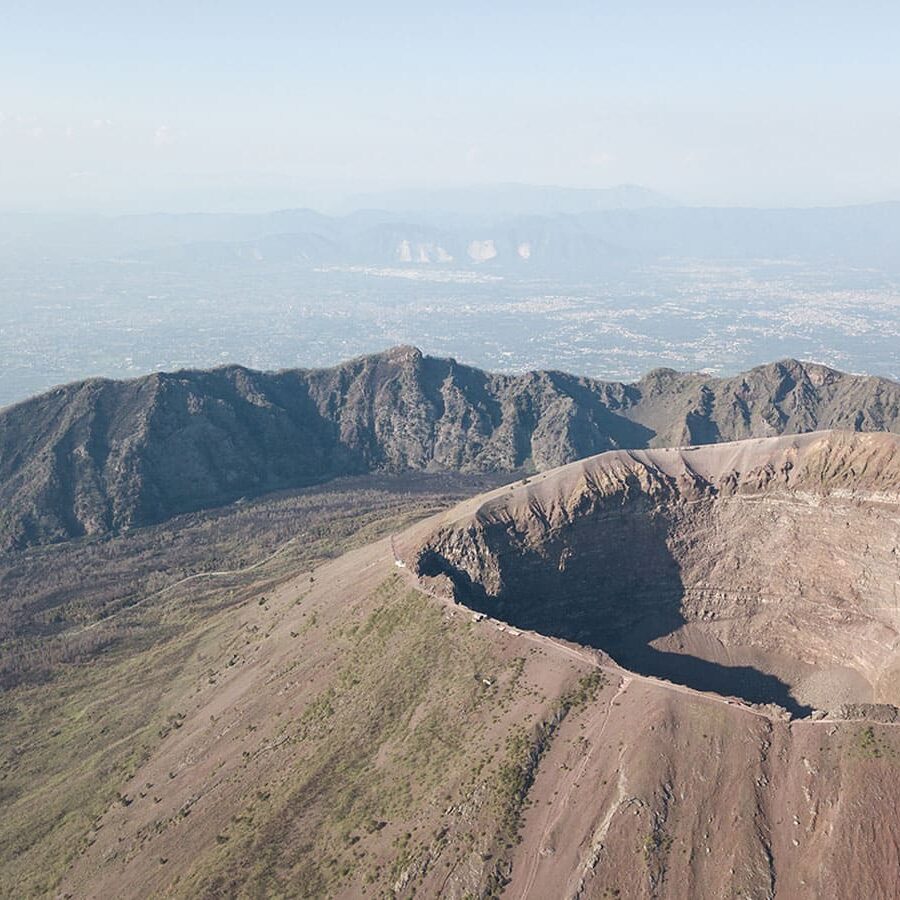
(189, 104)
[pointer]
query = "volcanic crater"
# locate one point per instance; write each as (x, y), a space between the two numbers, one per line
(767, 570)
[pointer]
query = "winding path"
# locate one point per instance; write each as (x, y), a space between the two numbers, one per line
(224, 573)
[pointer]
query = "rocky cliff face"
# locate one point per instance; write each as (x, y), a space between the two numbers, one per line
(97, 456)
(764, 568)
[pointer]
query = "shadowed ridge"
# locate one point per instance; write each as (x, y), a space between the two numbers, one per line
(100, 456)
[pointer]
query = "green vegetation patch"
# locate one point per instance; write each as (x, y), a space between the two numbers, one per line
(874, 744)
(67, 747)
(387, 736)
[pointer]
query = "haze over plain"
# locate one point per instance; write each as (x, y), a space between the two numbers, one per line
(447, 124)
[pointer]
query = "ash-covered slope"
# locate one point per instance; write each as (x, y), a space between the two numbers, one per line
(101, 455)
(345, 734)
(767, 569)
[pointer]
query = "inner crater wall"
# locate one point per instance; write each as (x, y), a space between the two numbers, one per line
(667, 570)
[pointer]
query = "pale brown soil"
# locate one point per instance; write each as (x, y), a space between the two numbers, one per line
(353, 732)
(664, 796)
(240, 737)
(652, 791)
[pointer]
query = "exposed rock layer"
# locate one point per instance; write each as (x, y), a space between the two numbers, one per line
(766, 568)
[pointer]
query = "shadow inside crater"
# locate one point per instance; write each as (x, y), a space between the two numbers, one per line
(745, 682)
(617, 589)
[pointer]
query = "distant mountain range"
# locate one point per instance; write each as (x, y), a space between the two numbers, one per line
(100, 456)
(542, 230)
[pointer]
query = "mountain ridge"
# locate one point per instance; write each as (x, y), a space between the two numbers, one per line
(98, 456)
(530, 240)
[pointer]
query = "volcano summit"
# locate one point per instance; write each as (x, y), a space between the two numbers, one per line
(765, 569)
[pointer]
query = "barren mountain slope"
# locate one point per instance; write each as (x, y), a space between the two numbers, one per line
(101, 456)
(360, 734)
(102, 640)
(347, 736)
(653, 794)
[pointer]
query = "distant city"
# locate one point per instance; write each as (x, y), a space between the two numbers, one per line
(120, 309)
